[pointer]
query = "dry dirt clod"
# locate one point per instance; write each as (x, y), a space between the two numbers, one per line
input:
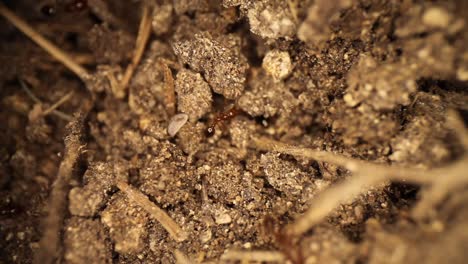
(383, 87)
(193, 94)
(271, 19)
(127, 223)
(109, 46)
(85, 242)
(98, 182)
(218, 59)
(191, 137)
(162, 19)
(283, 175)
(266, 98)
(321, 14)
(353, 96)
(277, 64)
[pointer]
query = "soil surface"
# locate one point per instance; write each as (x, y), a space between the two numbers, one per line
(166, 168)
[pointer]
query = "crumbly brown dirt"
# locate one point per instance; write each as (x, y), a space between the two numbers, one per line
(371, 80)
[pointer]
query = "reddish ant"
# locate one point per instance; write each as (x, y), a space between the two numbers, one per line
(220, 118)
(69, 6)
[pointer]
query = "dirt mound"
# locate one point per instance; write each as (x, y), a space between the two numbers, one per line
(300, 131)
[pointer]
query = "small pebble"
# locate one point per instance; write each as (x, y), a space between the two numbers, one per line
(436, 17)
(222, 219)
(176, 123)
(277, 64)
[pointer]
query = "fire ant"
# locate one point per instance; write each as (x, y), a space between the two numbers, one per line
(220, 118)
(69, 6)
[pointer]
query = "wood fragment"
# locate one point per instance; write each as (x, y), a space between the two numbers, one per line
(49, 245)
(144, 33)
(174, 230)
(48, 46)
(169, 98)
(256, 255)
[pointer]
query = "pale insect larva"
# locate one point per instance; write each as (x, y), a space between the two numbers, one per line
(176, 123)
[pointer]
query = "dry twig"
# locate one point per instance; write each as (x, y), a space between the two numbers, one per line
(50, 242)
(144, 33)
(174, 230)
(367, 174)
(52, 109)
(48, 46)
(169, 98)
(58, 103)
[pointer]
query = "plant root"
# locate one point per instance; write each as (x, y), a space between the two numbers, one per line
(437, 182)
(49, 245)
(174, 230)
(144, 33)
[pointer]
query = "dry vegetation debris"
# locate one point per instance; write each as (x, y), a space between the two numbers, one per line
(336, 133)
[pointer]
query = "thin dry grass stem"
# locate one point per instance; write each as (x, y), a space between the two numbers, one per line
(53, 111)
(170, 99)
(49, 245)
(439, 181)
(174, 230)
(114, 83)
(144, 33)
(48, 46)
(255, 255)
(58, 103)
